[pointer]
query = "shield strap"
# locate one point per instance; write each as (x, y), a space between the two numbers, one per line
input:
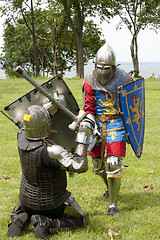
(104, 119)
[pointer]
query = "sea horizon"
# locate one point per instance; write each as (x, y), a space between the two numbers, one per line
(147, 69)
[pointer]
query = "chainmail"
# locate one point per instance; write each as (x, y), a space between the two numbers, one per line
(111, 87)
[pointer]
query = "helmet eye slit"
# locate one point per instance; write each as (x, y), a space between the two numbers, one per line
(103, 66)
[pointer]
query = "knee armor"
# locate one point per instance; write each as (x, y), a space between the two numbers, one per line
(114, 167)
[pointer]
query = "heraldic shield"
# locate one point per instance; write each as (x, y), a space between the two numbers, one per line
(60, 133)
(132, 102)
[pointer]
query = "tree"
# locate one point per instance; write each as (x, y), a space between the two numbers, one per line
(136, 15)
(91, 40)
(17, 8)
(22, 6)
(76, 14)
(18, 43)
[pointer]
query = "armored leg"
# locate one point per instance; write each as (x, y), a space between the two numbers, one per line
(99, 169)
(74, 217)
(114, 174)
(18, 218)
(44, 225)
(75, 211)
(66, 224)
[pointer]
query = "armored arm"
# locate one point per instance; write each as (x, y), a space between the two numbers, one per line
(68, 163)
(85, 129)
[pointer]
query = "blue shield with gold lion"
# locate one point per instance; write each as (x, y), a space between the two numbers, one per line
(132, 102)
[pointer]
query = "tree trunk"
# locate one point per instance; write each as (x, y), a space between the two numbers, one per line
(134, 55)
(55, 50)
(77, 31)
(80, 70)
(34, 41)
(42, 63)
(31, 66)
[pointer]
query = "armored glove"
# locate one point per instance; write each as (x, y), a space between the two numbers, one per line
(68, 163)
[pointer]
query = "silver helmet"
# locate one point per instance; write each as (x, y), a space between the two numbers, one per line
(37, 122)
(105, 64)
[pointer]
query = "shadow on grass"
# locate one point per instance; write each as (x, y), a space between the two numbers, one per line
(127, 202)
(139, 200)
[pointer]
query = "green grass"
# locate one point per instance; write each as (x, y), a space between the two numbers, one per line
(139, 216)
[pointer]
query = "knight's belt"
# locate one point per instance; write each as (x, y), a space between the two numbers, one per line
(104, 118)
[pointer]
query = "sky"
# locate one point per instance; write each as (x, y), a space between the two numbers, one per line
(119, 40)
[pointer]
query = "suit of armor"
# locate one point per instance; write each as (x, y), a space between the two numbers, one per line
(43, 196)
(100, 100)
(36, 176)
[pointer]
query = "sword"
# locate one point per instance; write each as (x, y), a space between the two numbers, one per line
(77, 119)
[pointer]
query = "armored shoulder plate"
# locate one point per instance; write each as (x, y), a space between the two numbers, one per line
(25, 144)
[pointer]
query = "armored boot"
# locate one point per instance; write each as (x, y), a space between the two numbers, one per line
(114, 174)
(74, 217)
(19, 218)
(41, 225)
(99, 169)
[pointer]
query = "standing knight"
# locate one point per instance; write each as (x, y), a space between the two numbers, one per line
(101, 104)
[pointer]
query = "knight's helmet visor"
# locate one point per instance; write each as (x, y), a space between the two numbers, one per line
(105, 64)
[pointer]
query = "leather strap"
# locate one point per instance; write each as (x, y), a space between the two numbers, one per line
(104, 118)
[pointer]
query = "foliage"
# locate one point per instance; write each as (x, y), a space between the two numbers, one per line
(139, 194)
(91, 40)
(76, 14)
(55, 43)
(51, 41)
(72, 44)
(136, 15)
(44, 25)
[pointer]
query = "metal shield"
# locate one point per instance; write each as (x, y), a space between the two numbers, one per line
(132, 102)
(60, 134)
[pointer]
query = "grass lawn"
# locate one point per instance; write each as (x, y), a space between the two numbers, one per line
(139, 199)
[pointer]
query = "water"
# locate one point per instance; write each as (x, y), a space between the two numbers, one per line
(147, 69)
(2, 74)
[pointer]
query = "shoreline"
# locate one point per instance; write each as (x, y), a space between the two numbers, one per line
(147, 69)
